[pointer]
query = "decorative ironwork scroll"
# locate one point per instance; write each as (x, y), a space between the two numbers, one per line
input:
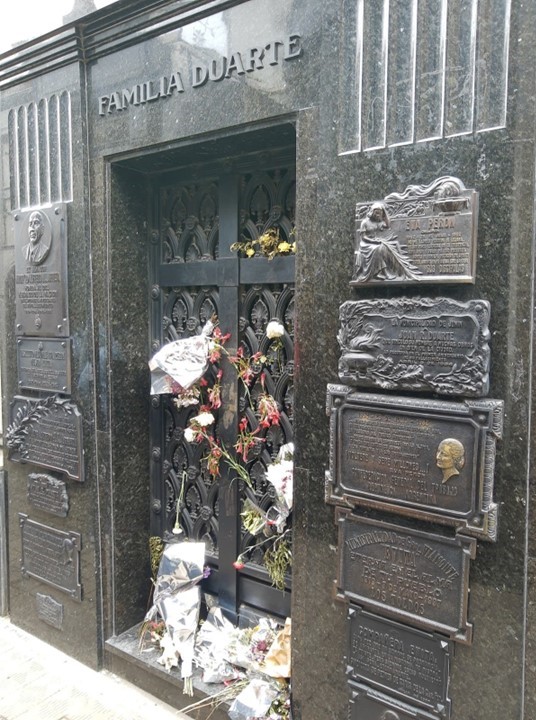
(425, 234)
(425, 345)
(428, 459)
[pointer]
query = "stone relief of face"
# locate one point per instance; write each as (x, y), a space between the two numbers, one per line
(450, 457)
(35, 227)
(37, 249)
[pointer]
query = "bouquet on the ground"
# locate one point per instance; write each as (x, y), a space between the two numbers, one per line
(176, 601)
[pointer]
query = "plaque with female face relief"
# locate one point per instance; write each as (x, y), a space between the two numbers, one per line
(428, 459)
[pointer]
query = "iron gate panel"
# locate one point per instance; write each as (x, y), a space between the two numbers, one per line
(195, 275)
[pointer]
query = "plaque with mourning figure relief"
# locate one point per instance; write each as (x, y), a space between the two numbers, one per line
(399, 660)
(41, 306)
(428, 459)
(46, 432)
(417, 577)
(426, 234)
(425, 345)
(368, 704)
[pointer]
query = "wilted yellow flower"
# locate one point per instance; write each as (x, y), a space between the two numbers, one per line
(250, 252)
(284, 247)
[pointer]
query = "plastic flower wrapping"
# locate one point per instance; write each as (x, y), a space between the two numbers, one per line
(181, 363)
(253, 663)
(176, 601)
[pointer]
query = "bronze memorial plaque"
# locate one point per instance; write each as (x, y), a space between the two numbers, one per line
(426, 345)
(368, 704)
(427, 234)
(46, 432)
(51, 555)
(410, 575)
(411, 664)
(49, 610)
(48, 493)
(41, 272)
(429, 459)
(44, 364)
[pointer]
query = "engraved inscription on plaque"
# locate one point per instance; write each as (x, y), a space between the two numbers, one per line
(49, 611)
(44, 364)
(48, 493)
(425, 234)
(430, 459)
(428, 345)
(51, 555)
(409, 575)
(400, 660)
(368, 704)
(41, 272)
(46, 432)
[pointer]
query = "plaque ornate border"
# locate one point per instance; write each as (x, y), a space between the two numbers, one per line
(72, 543)
(486, 415)
(390, 234)
(381, 532)
(30, 412)
(365, 360)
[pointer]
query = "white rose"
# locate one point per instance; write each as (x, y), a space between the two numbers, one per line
(189, 435)
(274, 329)
(204, 419)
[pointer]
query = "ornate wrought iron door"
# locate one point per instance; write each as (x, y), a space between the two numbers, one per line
(196, 276)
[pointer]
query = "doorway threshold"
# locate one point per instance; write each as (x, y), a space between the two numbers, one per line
(140, 666)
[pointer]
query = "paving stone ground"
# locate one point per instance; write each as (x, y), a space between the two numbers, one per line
(38, 682)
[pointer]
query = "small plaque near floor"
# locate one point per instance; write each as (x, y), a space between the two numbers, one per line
(418, 577)
(367, 704)
(411, 664)
(49, 611)
(51, 555)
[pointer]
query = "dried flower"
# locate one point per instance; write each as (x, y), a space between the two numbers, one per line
(274, 329)
(189, 434)
(204, 419)
(268, 410)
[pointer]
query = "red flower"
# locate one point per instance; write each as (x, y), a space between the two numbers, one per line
(238, 564)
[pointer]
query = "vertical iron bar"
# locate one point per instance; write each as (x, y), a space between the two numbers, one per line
(229, 528)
